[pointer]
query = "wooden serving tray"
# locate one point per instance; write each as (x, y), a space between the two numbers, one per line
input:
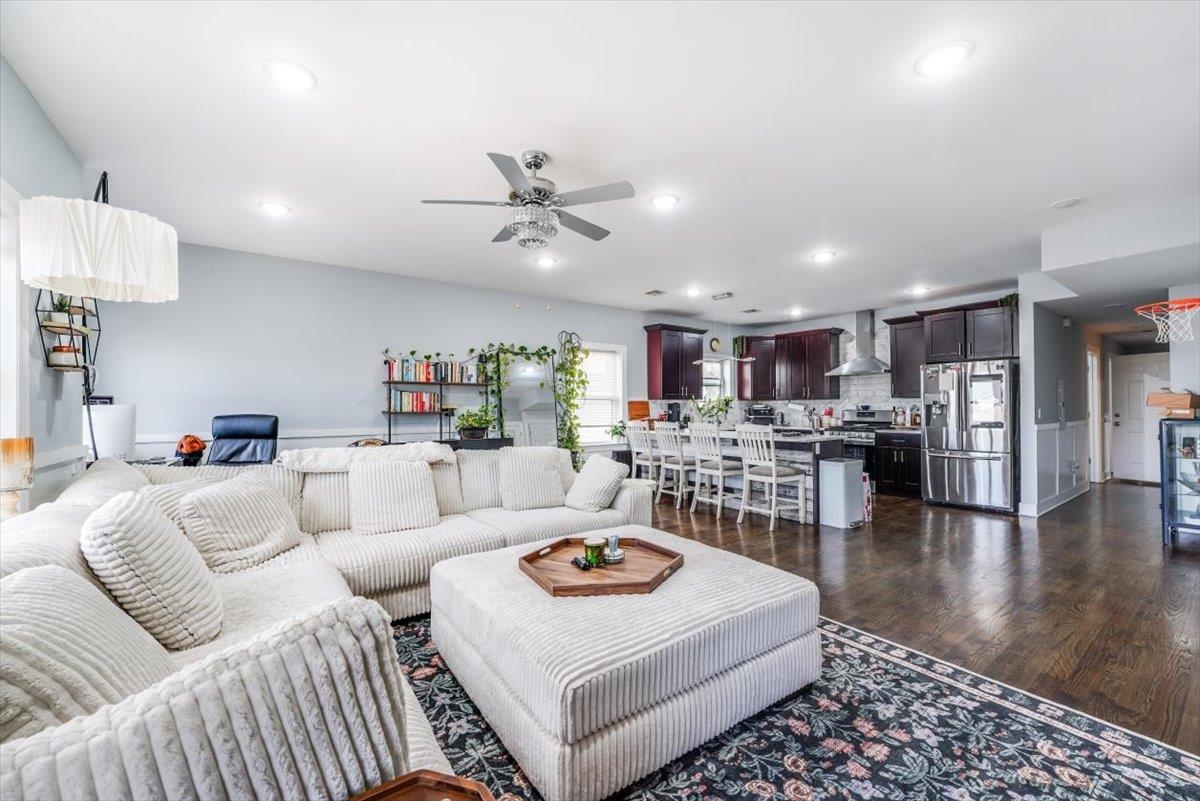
(646, 566)
(427, 785)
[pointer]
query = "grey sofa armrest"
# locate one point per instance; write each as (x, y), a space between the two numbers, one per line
(636, 499)
(312, 708)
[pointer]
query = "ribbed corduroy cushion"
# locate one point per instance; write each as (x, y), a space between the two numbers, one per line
(374, 563)
(579, 664)
(479, 473)
(100, 482)
(313, 707)
(152, 570)
(391, 496)
(168, 497)
(596, 484)
(239, 523)
(66, 650)
(530, 478)
(539, 524)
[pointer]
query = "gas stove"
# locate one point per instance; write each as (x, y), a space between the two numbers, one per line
(859, 425)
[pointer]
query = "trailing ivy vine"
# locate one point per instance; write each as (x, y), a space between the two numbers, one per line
(570, 385)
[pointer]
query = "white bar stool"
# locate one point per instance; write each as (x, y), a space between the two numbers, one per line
(641, 446)
(711, 465)
(757, 444)
(671, 460)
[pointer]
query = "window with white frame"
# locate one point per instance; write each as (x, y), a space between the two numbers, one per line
(604, 397)
(716, 379)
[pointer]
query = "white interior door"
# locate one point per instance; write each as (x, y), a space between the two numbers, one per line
(1151, 469)
(1129, 406)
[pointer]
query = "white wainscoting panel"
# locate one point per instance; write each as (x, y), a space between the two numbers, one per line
(1061, 466)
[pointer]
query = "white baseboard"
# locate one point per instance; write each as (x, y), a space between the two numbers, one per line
(1040, 508)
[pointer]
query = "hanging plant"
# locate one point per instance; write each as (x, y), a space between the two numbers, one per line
(739, 346)
(495, 364)
(570, 385)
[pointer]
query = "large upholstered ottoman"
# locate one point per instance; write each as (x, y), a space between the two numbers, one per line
(590, 694)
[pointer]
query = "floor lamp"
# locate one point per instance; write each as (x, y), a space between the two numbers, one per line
(91, 249)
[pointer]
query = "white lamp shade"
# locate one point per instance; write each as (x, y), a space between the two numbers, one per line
(88, 249)
(115, 426)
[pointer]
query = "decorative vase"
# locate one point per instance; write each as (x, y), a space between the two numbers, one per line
(58, 317)
(63, 356)
(473, 433)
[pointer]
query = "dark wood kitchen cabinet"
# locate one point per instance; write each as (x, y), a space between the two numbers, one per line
(908, 354)
(898, 470)
(990, 333)
(801, 360)
(945, 336)
(756, 379)
(671, 353)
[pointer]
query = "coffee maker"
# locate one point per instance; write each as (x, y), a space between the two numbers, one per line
(760, 414)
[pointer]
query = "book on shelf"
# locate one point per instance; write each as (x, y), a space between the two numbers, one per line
(414, 402)
(420, 371)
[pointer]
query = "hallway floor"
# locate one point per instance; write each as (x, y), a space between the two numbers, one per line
(1082, 606)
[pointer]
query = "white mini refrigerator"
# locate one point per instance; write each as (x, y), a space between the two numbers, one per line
(841, 492)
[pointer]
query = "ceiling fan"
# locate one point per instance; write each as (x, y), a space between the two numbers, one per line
(537, 205)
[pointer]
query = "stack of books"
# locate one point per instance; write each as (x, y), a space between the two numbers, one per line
(420, 371)
(401, 401)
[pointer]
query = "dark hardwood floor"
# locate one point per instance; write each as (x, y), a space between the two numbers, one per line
(1082, 606)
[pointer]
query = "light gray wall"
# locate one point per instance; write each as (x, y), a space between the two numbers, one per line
(253, 333)
(1185, 356)
(35, 160)
(1060, 354)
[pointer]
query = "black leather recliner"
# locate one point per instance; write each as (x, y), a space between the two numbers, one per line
(243, 439)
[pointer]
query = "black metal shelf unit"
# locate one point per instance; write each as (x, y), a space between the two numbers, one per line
(445, 416)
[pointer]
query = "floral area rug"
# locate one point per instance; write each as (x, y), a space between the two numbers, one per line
(883, 722)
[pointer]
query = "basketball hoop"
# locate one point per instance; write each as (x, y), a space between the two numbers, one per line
(1173, 318)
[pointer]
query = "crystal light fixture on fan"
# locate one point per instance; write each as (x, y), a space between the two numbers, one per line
(533, 226)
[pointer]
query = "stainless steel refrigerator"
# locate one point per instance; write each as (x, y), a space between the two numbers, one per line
(969, 434)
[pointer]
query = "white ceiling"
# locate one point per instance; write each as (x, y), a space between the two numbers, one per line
(784, 128)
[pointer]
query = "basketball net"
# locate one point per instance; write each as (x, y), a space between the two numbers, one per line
(1173, 318)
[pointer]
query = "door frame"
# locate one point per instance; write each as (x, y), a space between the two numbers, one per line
(1095, 392)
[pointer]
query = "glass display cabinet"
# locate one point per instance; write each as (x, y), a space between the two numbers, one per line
(1178, 440)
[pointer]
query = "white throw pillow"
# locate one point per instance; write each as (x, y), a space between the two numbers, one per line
(168, 497)
(239, 523)
(152, 571)
(392, 496)
(67, 650)
(597, 484)
(530, 478)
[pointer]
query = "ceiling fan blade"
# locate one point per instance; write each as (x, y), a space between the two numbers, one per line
(503, 236)
(511, 170)
(590, 230)
(594, 194)
(468, 202)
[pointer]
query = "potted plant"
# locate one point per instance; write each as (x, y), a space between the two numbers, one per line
(713, 410)
(61, 310)
(474, 423)
(617, 430)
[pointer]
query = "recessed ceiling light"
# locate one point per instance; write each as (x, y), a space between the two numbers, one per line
(654, 293)
(944, 58)
(273, 208)
(795, 311)
(918, 290)
(693, 291)
(289, 76)
(1067, 202)
(546, 262)
(823, 256)
(664, 201)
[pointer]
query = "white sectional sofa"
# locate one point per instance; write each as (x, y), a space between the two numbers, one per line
(300, 694)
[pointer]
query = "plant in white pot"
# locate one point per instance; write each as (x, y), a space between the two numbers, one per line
(61, 310)
(474, 423)
(713, 410)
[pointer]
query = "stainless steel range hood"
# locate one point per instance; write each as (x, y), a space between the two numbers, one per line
(864, 361)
